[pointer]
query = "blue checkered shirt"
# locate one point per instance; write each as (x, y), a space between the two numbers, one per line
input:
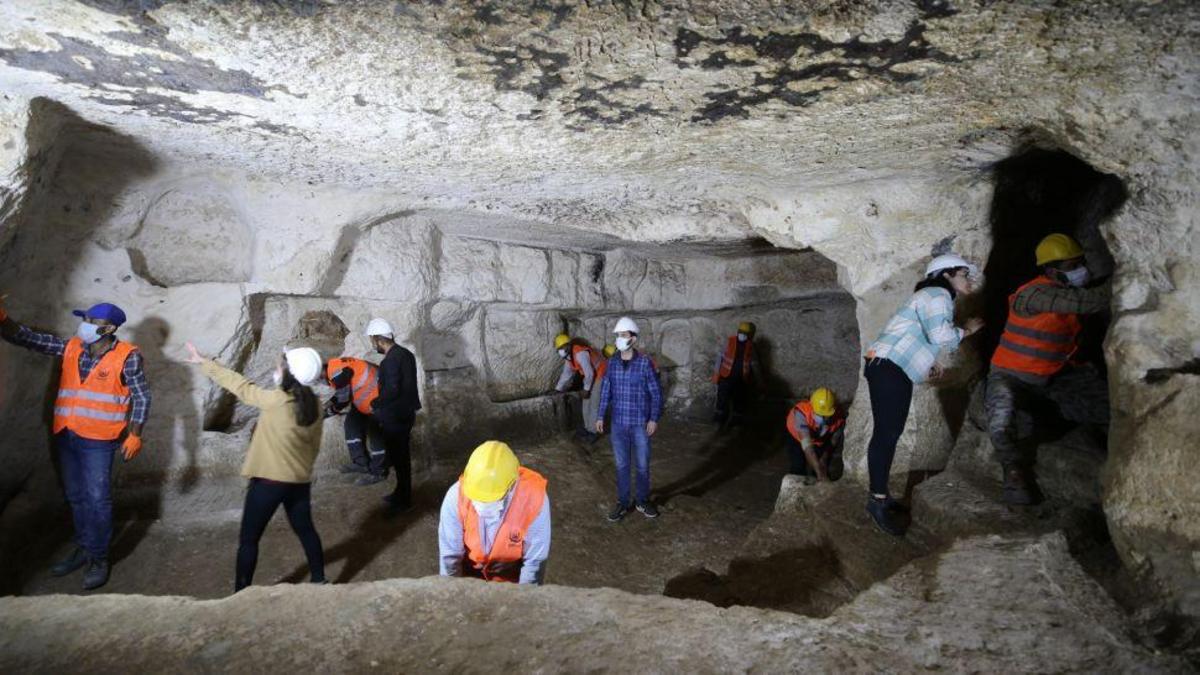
(631, 390)
(133, 374)
(918, 332)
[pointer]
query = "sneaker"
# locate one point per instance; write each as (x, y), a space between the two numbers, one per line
(370, 479)
(647, 509)
(884, 516)
(76, 559)
(618, 512)
(1020, 487)
(352, 468)
(96, 575)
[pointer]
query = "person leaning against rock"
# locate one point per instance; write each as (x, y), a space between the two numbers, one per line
(282, 451)
(102, 397)
(904, 354)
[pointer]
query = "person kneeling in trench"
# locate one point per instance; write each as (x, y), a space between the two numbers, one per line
(495, 520)
(816, 433)
(282, 451)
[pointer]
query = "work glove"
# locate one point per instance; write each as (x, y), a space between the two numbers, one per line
(132, 446)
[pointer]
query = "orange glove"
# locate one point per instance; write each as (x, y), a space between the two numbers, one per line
(132, 446)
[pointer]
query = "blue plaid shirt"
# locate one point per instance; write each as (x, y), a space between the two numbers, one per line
(133, 374)
(631, 390)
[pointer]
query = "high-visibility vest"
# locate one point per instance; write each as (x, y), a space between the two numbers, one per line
(593, 355)
(1037, 345)
(727, 359)
(364, 381)
(805, 408)
(97, 407)
(502, 562)
(601, 369)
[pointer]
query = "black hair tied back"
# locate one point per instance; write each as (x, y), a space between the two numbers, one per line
(307, 406)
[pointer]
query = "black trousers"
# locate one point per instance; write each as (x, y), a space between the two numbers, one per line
(798, 464)
(263, 497)
(891, 397)
(731, 397)
(364, 440)
(396, 438)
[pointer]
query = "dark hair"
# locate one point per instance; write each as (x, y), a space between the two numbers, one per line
(307, 407)
(939, 280)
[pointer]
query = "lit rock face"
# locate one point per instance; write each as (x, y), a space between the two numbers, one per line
(542, 137)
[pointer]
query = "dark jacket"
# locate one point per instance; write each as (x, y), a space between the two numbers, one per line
(398, 400)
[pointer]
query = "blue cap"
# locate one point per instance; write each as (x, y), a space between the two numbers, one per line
(107, 311)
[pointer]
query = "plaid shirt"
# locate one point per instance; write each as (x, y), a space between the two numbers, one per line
(1059, 299)
(631, 390)
(916, 333)
(133, 374)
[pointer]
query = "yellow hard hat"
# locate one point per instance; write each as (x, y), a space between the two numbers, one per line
(609, 350)
(746, 327)
(823, 402)
(561, 339)
(491, 470)
(1057, 247)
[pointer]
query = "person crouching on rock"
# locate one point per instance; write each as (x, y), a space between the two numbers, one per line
(906, 353)
(816, 432)
(282, 451)
(495, 520)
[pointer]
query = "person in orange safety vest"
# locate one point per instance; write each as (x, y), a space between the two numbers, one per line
(816, 433)
(734, 370)
(356, 386)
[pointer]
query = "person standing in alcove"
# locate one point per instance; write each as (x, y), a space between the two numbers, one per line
(1034, 362)
(734, 371)
(103, 397)
(396, 408)
(904, 354)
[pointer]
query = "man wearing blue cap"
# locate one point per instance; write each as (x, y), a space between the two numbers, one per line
(102, 404)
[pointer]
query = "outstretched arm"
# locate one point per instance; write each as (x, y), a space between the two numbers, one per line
(246, 391)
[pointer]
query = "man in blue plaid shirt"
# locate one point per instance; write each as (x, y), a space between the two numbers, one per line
(631, 391)
(95, 414)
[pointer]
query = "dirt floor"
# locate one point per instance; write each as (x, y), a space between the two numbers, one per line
(713, 486)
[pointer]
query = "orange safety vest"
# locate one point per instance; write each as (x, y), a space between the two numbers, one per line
(805, 408)
(601, 369)
(96, 408)
(1037, 345)
(727, 359)
(592, 354)
(502, 563)
(364, 383)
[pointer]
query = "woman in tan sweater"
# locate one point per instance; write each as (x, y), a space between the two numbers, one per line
(283, 448)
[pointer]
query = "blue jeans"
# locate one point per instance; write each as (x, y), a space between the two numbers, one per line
(86, 474)
(627, 438)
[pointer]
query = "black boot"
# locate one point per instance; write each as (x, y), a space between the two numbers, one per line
(884, 514)
(76, 559)
(96, 574)
(1020, 486)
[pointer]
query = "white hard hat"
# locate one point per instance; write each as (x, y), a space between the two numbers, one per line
(626, 324)
(949, 262)
(304, 363)
(379, 326)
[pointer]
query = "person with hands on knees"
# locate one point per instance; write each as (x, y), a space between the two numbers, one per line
(580, 358)
(904, 354)
(630, 389)
(102, 405)
(495, 520)
(282, 451)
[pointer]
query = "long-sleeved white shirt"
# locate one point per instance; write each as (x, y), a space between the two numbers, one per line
(584, 360)
(452, 550)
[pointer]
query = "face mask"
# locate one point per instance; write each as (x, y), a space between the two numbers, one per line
(742, 337)
(624, 343)
(562, 353)
(819, 419)
(277, 377)
(1078, 276)
(88, 332)
(488, 509)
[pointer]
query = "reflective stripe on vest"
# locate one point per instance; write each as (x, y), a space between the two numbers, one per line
(1038, 345)
(805, 408)
(96, 407)
(364, 380)
(501, 563)
(728, 356)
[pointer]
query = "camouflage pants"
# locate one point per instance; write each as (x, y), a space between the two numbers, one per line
(1079, 393)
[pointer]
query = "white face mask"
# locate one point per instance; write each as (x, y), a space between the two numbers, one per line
(563, 352)
(742, 337)
(488, 510)
(624, 343)
(277, 376)
(1078, 276)
(88, 332)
